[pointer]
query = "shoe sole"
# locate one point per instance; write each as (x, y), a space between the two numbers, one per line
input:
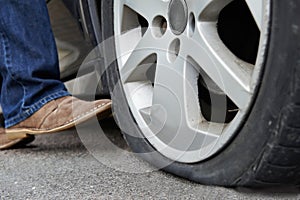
(101, 112)
(18, 142)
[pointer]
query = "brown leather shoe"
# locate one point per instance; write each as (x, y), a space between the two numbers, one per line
(6, 142)
(59, 115)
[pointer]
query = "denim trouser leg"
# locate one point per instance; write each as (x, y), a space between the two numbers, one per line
(28, 59)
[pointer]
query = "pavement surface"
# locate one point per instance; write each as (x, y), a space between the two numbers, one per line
(64, 166)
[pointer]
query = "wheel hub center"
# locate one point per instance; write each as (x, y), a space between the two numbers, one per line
(178, 16)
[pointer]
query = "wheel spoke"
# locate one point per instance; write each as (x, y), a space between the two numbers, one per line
(207, 10)
(136, 51)
(171, 88)
(231, 74)
(148, 8)
(256, 8)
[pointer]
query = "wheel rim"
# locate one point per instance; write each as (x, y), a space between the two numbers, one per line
(171, 63)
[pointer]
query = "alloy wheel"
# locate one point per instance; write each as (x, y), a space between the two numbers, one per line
(187, 78)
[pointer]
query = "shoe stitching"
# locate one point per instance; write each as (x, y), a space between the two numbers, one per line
(79, 116)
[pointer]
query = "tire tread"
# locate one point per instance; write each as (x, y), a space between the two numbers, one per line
(280, 160)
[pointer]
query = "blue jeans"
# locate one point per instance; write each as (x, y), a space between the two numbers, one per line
(28, 60)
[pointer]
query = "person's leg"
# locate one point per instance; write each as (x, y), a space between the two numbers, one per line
(33, 99)
(5, 141)
(28, 60)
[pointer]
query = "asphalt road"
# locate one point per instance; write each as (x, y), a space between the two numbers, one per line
(59, 166)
